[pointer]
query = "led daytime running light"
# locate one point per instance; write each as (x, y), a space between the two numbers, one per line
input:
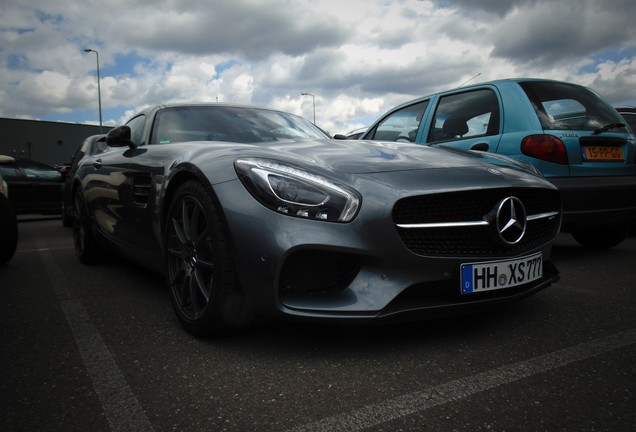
(263, 169)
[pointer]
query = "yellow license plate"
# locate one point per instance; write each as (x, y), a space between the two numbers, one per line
(600, 153)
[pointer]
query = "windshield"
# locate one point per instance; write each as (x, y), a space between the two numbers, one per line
(233, 124)
(562, 106)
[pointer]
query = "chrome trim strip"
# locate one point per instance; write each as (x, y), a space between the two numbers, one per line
(542, 215)
(469, 224)
(443, 224)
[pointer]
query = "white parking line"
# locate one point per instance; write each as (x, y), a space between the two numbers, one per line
(123, 411)
(373, 415)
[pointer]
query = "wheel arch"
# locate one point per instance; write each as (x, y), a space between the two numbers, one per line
(75, 185)
(175, 181)
(234, 310)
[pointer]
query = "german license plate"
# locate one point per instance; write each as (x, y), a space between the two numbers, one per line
(494, 275)
(600, 153)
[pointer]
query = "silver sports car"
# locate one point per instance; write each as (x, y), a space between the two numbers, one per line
(252, 212)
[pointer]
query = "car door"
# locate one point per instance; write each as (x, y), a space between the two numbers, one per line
(44, 184)
(144, 175)
(465, 119)
(35, 187)
(108, 189)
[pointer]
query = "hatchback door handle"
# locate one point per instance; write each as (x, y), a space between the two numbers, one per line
(480, 146)
(97, 163)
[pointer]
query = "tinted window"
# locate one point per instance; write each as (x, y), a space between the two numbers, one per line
(35, 171)
(232, 124)
(562, 106)
(8, 171)
(466, 115)
(401, 125)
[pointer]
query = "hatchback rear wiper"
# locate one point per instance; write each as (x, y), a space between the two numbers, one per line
(608, 127)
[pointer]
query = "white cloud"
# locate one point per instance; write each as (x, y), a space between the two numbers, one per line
(359, 58)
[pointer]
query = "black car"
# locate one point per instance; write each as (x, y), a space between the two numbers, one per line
(8, 222)
(256, 212)
(35, 187)
(92, 145)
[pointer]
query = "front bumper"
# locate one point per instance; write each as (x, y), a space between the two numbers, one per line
(299, 268)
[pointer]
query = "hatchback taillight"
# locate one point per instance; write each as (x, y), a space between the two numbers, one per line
(545, 147)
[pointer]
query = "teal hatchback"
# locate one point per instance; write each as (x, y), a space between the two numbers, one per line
(569, 133)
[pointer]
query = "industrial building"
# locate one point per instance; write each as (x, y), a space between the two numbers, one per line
(52, 143)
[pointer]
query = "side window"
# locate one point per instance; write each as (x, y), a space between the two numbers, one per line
(465, 115)
(402, 125)
(34, 171)
(9, 171)
(136, 126)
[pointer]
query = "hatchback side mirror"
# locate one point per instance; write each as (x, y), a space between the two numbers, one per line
(120, 137)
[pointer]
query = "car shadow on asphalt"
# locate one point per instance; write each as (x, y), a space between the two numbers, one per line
(332, 340)
(567, 250)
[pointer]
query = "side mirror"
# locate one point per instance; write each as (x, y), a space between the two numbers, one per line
(120, 137)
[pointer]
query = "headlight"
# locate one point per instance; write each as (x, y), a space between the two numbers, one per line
(295, 192)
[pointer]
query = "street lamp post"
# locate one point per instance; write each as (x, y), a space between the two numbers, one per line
(99, 90)
(314, 102)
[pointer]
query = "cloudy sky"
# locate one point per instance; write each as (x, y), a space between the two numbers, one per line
(357, 57)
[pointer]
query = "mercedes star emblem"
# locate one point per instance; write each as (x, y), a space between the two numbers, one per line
(511, 220)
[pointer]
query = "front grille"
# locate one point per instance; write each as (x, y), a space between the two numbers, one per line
(473, 206)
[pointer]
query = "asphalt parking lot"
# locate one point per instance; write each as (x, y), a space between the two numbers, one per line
(98, 348)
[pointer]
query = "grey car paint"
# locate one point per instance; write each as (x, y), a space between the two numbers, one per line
(128, 189)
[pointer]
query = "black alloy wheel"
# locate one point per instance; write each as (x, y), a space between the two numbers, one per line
(201, 277)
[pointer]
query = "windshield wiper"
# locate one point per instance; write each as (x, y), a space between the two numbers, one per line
(608, 127)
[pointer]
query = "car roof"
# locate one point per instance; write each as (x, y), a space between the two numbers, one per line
(478, 85)
(207, 104)
(6, 159)
(625, 108)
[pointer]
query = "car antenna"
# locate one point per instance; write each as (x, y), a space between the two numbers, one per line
(466, 82)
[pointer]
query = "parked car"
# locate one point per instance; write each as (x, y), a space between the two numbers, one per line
(355, 134)
(575, 138)
(629, 116)
(255, 212)
(92, 145)
(35, 187)
(8, 222)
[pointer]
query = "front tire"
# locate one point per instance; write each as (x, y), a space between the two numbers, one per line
(201, 274)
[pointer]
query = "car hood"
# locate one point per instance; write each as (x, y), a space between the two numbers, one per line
(365, 157)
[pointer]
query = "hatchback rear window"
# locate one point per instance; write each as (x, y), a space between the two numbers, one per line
(562, 106)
